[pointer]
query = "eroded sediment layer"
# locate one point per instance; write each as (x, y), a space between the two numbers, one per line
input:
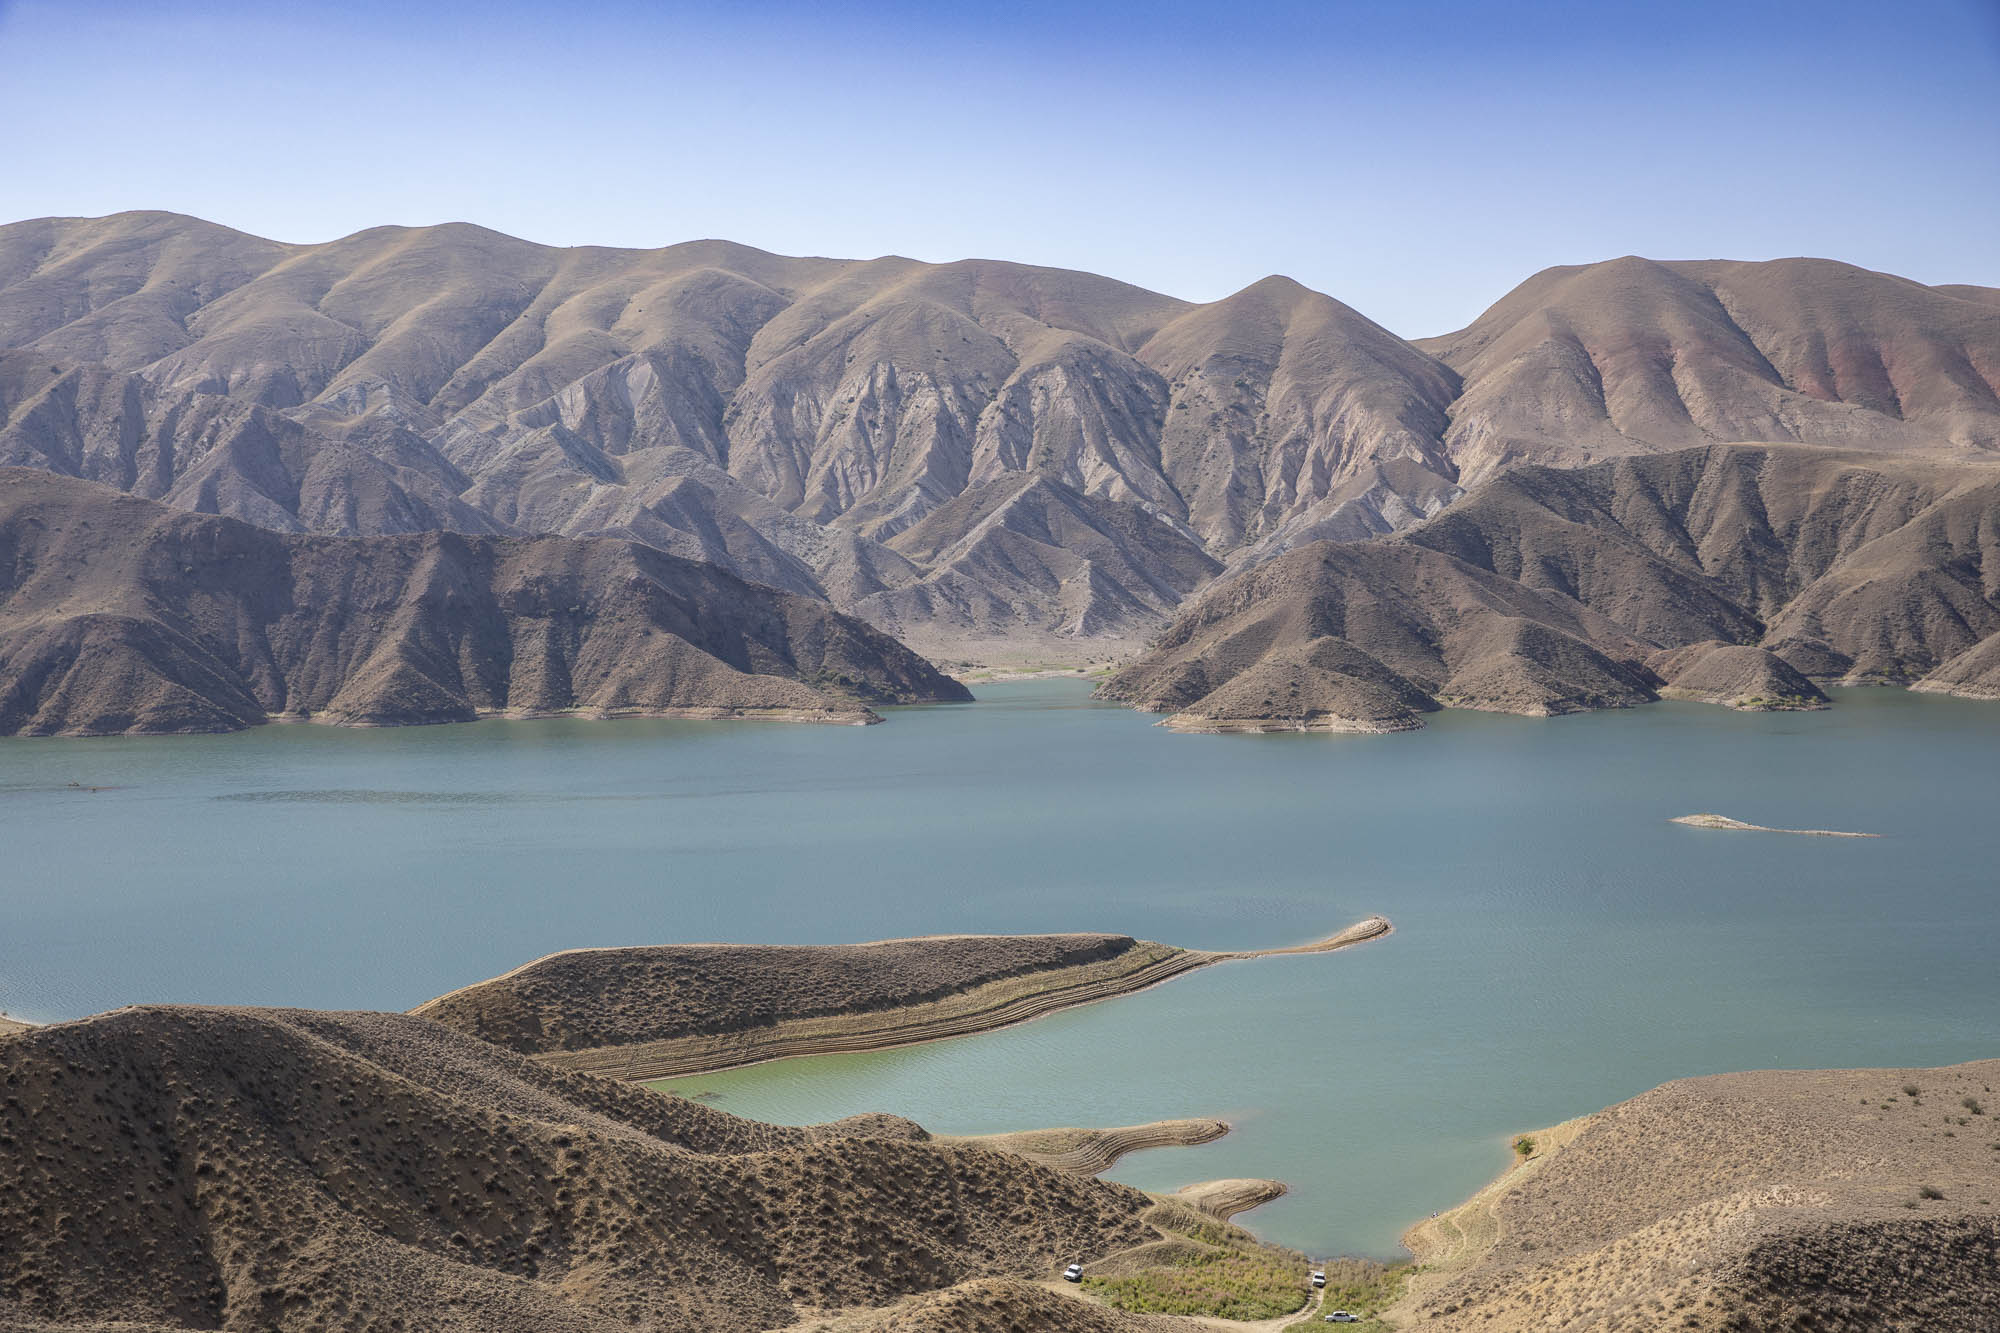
(1224, 1199)
(1091, 1151)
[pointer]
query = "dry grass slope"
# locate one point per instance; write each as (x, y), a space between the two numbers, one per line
(201, 1168)
(1824, 1200)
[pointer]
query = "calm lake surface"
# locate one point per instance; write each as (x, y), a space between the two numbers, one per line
(1559, 944)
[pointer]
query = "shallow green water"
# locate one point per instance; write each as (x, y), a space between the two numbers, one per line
(1559, 945)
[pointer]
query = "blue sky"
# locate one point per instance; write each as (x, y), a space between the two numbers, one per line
(1415, 160)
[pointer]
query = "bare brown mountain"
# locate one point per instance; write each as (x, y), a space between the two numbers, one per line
(1635, 356)
(1852, 567)
(122, 614)
(1731, 574)
(209, 1168)
(1367, 636)
(788, 418)
(966, 451)
(1828, 1199)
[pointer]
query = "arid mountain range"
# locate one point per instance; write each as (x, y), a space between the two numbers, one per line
(961, 454)
(1732, 574)
(121, 614)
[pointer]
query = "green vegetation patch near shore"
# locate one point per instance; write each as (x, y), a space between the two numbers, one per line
(1361, 1287)
(1223, 1281)
(1202, 1266)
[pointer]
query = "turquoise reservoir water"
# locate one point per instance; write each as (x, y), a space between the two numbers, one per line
(1559, 944)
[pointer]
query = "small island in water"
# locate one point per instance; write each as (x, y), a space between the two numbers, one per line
(1724, 821)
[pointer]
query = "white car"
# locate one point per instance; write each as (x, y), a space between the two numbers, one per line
(1319, 1278)
(1342, 1317)
(1074, 1273)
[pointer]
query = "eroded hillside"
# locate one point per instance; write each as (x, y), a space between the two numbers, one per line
(961, 453)
(1737, 575)
(120, 614)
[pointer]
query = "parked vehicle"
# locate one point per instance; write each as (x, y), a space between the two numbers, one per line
(1319, 1278)
(1074, 1273)
(1342, 1317)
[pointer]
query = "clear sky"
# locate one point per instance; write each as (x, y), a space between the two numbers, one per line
(1415, 160)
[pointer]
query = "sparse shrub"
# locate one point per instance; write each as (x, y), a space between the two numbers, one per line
(1525, 1146)
(1233, 1282)
(1930, 1192)
(1972, 1104)
(1909, 1089)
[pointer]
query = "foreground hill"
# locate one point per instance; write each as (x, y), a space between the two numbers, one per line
(119, 614)
(1730, 574)
(955, 452)
(1827, 1200)
(203, 1168)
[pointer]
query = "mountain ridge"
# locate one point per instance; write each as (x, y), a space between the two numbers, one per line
(795, 420)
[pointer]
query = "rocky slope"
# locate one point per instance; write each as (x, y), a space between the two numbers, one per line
(204, 1168)
(956, 452)
(1369, 636)
(119, 614)
(1729, 574)
(1831, 1200)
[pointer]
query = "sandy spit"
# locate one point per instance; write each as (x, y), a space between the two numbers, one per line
(1725, 822)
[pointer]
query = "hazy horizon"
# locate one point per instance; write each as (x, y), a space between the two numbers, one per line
(1415, 163)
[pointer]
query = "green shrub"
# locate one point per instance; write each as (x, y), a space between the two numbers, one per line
(1524, 1146)
(1227, 1282)
(1359, 1286)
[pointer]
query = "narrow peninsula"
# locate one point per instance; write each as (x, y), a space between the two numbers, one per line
(667, 1011)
